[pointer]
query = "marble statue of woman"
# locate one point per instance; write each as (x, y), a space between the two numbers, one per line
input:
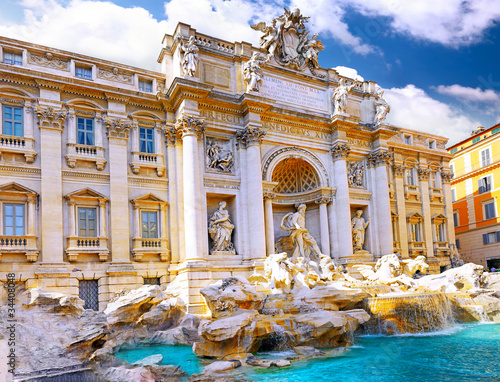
(340, 96)
(358, 230)
(190, 60)
(220, 229)
(252, 73)
(382, 108)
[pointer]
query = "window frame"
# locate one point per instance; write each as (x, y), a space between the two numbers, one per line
(84, 70)
(147, 140)
(15, 54)
(408, 139)
(12, 120)
(481, 162)
(14, 218)
(144, 81)
(488, 184)
(456, 219)
(486, 203)
(148, 230)
(85, 131)
(410, 174)
(87, 221)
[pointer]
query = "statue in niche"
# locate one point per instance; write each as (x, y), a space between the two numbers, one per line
(355, 171)
(220, 229)
(217, 158)
(252, 72)
(304, 245)
(358, 225)
(190, 59)
(382, 108)
(340, 96)
(289, 43)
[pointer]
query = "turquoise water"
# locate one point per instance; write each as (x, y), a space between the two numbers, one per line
(460, 354)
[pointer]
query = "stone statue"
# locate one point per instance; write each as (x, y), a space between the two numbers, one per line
(252, 72)
(220, 229)
(358, 225)
(340, 96)
(190, 59)
(382, 108)
(304, 245)
(289, 43)
(355, 172)
(455, 259)
(217, 158)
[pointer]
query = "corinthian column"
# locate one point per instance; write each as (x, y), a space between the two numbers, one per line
(171, 136)
(340, 152)
(268, 210)
(251, 138)
(323, 222)
(191, 130)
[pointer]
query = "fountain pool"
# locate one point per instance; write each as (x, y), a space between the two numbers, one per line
(462, 353)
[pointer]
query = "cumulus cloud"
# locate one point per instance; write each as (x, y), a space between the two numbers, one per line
(349, 73)
(413, 108)
(448, 22)
(475, 100)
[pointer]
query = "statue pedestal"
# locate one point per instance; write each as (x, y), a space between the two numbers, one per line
(222, 253)
(359, 257)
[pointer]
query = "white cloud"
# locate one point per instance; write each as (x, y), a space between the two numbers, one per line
(413, 108)
(448, 22)
(465, 93)
(349, 73)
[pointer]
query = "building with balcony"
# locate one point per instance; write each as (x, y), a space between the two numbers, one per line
(110, 174)
(475, 191)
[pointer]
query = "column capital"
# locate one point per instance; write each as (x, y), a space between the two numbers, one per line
(379, 158)
(323, 199)
(186, 125)
(423, 173)
(398, 170)
(340, 150)
(172, 135)
(446, 176)
(117, 128)
(269, 195)
(250, 136)
(49, 118)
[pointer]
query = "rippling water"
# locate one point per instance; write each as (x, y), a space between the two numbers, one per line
(460, 354)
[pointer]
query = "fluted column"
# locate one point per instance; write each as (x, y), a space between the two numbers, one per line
(252, 137)
(173, 186)
(379, 161)
(268, 211)
(340, 152)
(51, 123)
(191, 130)
(118, 134)
(323, 222)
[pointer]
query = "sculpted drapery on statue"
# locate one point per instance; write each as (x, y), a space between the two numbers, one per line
(252, 72)
(340, 96)
(382, 108)
(190, 59)
(290, 44)
(304, 245)
(358, 230)
(220, 229)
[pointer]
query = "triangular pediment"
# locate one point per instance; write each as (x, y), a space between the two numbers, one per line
(16, 188)
(85, 193)
(415, 215)
(150, 198)
(439, 217)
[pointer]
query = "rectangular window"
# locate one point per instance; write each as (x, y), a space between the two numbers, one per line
(12, 58)
(453, 151)
(83, 72)
(146, 140)
(440, 232)
(87, 222)
(455, 219)
(151, 281)
(489, 210)
(13, 219)
(12, 121)
(415, 232)
(146, 86)
(485, 157)
(475, 140)
(149, 225)
(494, 131)
(437, 180)
(489, 237)
(85, 131)
(453, 195)
(457, 243)
(410, 178)
(89, 292)
(432, 144)
(407, 139)
(484, 184)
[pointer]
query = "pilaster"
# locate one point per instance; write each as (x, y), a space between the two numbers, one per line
(399, 172)
(423, 177)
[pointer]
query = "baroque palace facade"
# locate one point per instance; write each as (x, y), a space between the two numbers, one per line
(113, 176)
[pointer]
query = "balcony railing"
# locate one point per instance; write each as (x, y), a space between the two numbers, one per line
(87, 245)
(18, 145)
(147, 160)
(25, 244)
(85, 153)
(150, 246)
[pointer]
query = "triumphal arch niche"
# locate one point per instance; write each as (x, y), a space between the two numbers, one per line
(300, 157)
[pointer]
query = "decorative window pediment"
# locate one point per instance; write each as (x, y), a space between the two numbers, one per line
(15, 189)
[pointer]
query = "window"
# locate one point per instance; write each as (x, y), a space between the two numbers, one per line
(485, 157)
(407, 139)
(453, 195)
(12, 58)
(452, 169)
(410, 176)
(13, 219)
(83, 72)
(415, 232)
(146, 86)
(489, 210)
(437, 180)
(455, 219)
(151, 281)
(85, 131)
(89, 292)
(457, 243)
(475, 140)
(494, 131)
(453, 151)
(149, 225)
(432, 144)
(440, 232)
(491, 237)
(146, 140)
(87, 222)
(13, 121)
(484, 184)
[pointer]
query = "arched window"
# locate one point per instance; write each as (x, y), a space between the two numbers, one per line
(295, 175)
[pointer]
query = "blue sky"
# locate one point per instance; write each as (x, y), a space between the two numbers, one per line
(436, 59)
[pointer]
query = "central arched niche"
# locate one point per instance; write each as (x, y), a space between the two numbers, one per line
(296, 178)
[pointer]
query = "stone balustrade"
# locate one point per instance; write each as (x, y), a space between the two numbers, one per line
(25, 244)
(147, 160)
(142, 247)
(85, 153)
(18, 145)
(87, 245)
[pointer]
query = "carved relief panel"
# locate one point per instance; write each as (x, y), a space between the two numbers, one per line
(219, 155)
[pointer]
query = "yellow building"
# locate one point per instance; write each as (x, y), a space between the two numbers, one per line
(475, 191)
